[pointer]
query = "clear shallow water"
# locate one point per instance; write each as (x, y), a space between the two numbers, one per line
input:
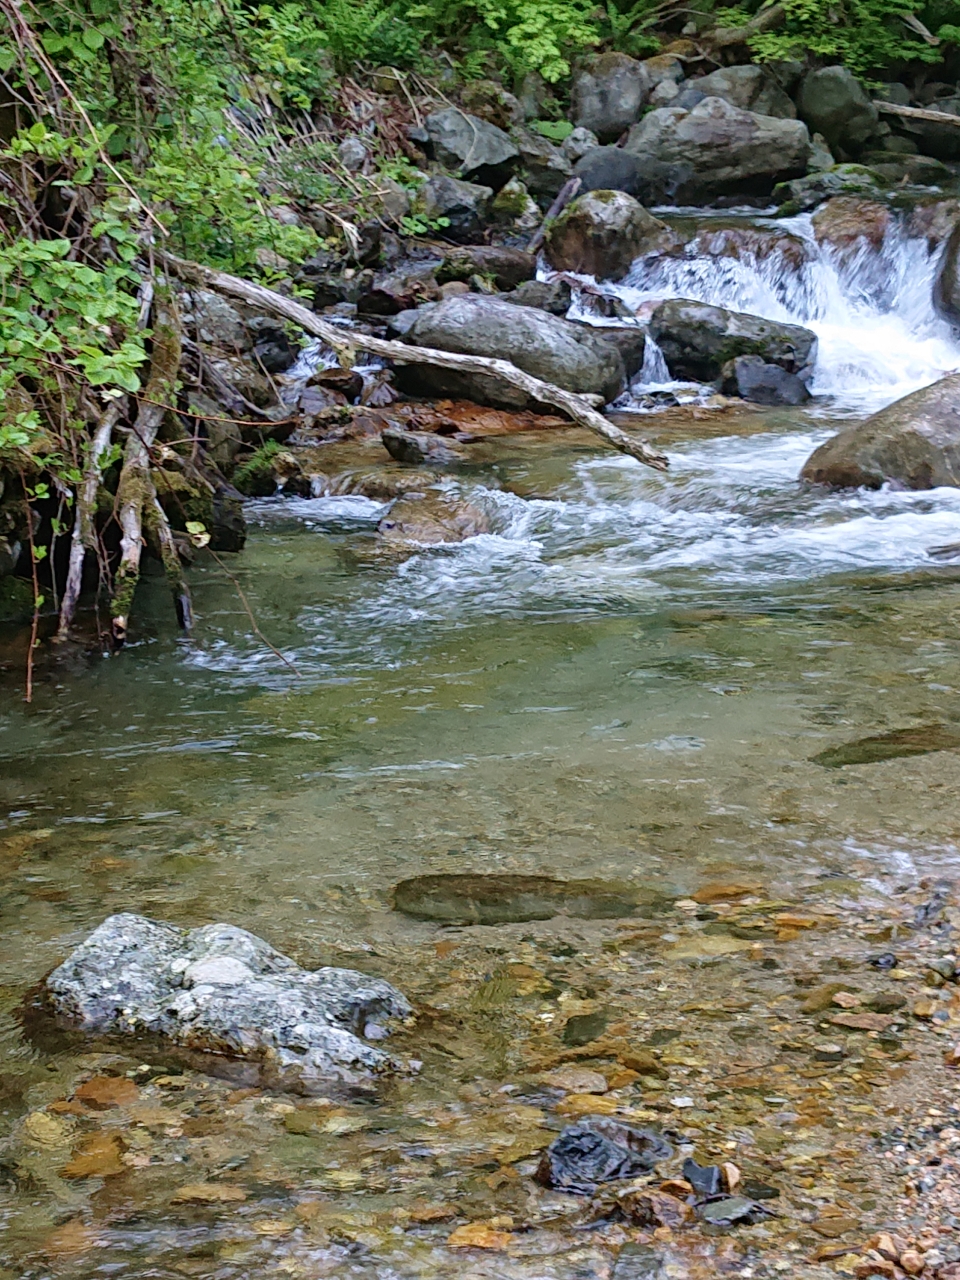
(627, 678)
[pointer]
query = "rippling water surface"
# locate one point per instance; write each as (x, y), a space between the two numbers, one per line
(628, 677)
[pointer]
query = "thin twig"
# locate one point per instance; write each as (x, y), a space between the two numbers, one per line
(35, 622)
(253, 621)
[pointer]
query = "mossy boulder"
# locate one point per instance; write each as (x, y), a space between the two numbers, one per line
(601, 234)
(697, 340)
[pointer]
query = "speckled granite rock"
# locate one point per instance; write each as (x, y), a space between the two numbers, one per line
(220, 989)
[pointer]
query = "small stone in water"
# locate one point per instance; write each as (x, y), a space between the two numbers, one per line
(599, 1150)
(514, 899)
(706, 1179)
(583, 1028)
(733, 1209)
(889, 746)
(103, 1092)
(576, 1080)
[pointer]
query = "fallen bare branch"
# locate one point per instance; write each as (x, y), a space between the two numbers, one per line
(917, 113)
(768, 19)
(345, 344)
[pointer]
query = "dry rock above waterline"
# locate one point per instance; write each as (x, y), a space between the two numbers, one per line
(913, 443)
(220, 989)
(544, 345)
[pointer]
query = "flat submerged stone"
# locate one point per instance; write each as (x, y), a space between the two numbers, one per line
(889, 746)
(513, 899)
(219, 989)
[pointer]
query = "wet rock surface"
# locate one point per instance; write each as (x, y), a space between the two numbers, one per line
(539, 343)
(715, 149)
(601, 234)
(698, 340)
(752, 378)
(221, 990)
(430, 519)
(946, 286)
(914, 442)
(504, 899)
(599, 1150)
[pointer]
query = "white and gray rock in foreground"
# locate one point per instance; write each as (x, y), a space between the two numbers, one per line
(219, 989)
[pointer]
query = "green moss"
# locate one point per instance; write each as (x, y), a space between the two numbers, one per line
(16, 600)
(255, 478)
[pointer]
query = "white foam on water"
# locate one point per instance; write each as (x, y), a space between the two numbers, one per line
(879, 335)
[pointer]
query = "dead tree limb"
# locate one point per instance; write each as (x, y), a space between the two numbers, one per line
(135, 487)
(566, 193)
(83, 538)
(345, 344)
(917, 113)
(769, 18)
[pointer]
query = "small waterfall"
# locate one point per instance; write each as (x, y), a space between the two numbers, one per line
(654, 372)
(871, 308)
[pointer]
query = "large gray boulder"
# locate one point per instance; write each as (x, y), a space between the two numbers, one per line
(946, 287)
(610, 169)
(608, 95)
(697, 340)
(715, 149)
(472, 148)
(550, 348)
(834, 103)
(911, 444)
(545, 167)
(464, 205)
(750, 88)
(601, 234)
(219, 989)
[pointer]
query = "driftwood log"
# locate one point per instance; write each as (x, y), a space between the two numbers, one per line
(346, 343)
(917, 113)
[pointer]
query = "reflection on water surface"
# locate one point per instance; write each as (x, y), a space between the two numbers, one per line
(626, 681)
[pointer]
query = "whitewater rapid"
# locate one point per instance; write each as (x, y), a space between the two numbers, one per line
(872, 309)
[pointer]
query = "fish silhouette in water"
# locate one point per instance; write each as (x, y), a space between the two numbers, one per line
(889, 746)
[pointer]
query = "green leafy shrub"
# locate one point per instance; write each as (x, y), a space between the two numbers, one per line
(868, 36)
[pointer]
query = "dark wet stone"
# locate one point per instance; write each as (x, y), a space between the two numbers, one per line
(759, 1190)
(706, 1179)
(599, 1150)
(886, 1002)
(583, 1028)
(416, 447)
(731, 1211)
(637, 1262)
(889, 746)
(663, 1035)
(511, 899)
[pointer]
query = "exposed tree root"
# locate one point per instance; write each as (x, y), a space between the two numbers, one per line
(83, 537)
(135, 487)
(345, 345)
